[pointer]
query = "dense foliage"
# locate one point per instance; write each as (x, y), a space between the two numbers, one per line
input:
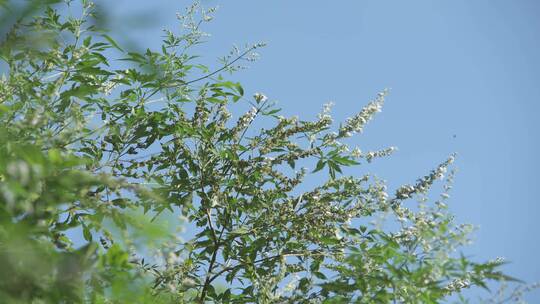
(103, 162)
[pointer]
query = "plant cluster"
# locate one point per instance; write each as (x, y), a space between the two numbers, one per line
(102, 161)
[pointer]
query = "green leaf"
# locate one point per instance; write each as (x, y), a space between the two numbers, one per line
(86, 233)
(112, 42)
(271, 112)
(345, 161)
(320, 165)
(87, 41)
(240, 230)
(239, 89)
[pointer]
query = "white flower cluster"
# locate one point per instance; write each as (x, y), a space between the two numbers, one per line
(189, 22)
(260, 97)
(423, 184)
(356, 152)
(325, 114)
(356, 123)
(207, 14)
(246, 119)
(5, 89)
(458, 284)
(497, 260)
(381, 153)
(224, 114)
(405, 192)
(109, 86)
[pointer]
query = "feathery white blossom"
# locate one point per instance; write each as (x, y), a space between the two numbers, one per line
(356, 123)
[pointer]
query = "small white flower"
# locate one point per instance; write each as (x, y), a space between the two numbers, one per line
(327, 107)
(188, 282)
(356, 152)
(260, 97)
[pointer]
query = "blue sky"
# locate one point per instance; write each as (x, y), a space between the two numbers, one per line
(464, 68)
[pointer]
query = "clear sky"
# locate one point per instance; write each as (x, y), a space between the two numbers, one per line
(464, 77)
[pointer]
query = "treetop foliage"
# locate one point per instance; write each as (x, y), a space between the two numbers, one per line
(124, 178)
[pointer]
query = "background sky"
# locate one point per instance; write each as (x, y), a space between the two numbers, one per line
(464, 77)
